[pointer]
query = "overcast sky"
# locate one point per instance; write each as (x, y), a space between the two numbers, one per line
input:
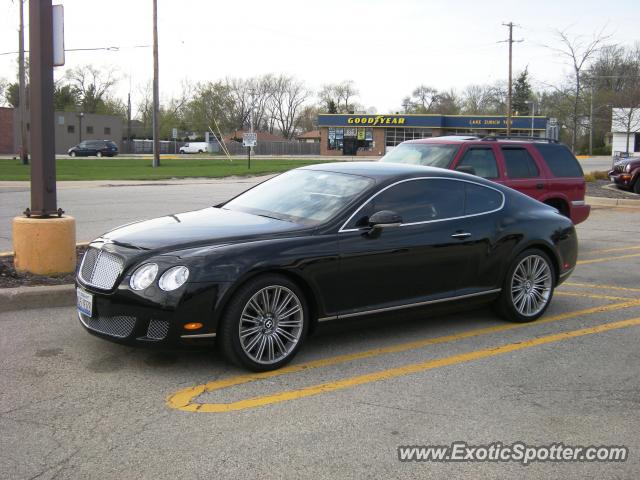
(386, 46)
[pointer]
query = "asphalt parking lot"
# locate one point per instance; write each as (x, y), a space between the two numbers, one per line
(73, 406)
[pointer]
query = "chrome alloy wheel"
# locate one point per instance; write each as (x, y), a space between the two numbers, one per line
(531, 285)
(271, 324)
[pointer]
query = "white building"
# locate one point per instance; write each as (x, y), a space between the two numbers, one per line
(625, 130)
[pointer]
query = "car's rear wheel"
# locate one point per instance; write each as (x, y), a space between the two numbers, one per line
(72, 154)
(636, 186)
(99, 154)
(528, 287)
(264, 324)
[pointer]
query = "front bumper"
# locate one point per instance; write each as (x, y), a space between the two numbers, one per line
(622, 179)
(128, 317)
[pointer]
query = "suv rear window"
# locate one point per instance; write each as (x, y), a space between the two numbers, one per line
(560, 160)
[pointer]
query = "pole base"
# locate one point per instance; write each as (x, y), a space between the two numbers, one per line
(44, 246)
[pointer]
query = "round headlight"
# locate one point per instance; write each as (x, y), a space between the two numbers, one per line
(173, 278)
(144, 276)
(628, 167)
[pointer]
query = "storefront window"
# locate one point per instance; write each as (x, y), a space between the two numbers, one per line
(336, 138)
(395, 136)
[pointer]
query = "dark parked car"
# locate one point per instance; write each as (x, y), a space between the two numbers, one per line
(626, 174)
(543, 169)
(319, 243)
(98, 148)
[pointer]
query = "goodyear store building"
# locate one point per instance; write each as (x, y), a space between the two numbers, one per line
(374, 135)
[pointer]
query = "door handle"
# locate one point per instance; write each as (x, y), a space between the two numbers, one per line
(461, 235)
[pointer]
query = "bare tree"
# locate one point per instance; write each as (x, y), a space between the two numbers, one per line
(577, 50)
(422, 100)
(341, 95)
(484, 99)
(626, 120)
(91, 84)
(289, 94)
(4, 85)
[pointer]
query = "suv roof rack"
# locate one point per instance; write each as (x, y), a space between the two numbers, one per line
(494, 138)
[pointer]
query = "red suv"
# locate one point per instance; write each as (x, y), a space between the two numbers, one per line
(543, 169)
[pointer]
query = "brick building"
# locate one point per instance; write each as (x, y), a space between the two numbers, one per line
(6, 130)
(374, 135)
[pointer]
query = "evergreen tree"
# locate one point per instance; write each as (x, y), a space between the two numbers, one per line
(522, 93)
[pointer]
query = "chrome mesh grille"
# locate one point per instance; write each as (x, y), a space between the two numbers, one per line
(157, 329)
(120, 326)
(100, 269)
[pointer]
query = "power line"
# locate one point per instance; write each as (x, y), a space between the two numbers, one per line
(110, 49)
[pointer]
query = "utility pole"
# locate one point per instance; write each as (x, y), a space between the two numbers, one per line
(22, 91)
(591, 123)
(156, 90)
(510, 26)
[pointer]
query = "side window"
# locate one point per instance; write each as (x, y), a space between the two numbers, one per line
(482, 160)
(519, 163)
(560, 160)
(479, 199)
(416, 201)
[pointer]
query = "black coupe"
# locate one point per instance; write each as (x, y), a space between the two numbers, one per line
(318, 243)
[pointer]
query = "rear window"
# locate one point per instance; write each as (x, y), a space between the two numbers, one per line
(560, 160)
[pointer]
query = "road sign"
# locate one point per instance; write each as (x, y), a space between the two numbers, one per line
(174, 133)
(249, 139)
(57, 14)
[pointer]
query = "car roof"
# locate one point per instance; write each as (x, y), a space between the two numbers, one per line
(385, 171)
(458, 139)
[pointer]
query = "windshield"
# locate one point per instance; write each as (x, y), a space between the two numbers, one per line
(301, 196)
(429, 154)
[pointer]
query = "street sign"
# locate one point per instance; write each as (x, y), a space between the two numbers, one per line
(249, 139)
(57, 14)
(174, 133)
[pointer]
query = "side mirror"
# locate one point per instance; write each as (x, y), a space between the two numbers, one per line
(466, 169)
(385, 218)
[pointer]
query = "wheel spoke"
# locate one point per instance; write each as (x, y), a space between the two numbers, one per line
(249, 332)
(285, 334)
(253, 342)
(278, 340)
(291, 311)
(283, 304)
(290, 323)
(263, 343)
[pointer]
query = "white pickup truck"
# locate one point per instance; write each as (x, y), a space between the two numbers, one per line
(194, 147)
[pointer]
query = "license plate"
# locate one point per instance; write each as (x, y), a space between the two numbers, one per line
(85, 302)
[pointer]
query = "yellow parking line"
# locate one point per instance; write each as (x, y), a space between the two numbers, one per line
(590, 295)
(408, 369)
(183, 399)
(607, 250)
(606, 259)
(601, 287)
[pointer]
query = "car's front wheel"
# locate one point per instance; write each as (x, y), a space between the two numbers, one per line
(72, 154)
(264, 324)
(99, 154)
(636, 186)
(528, 287)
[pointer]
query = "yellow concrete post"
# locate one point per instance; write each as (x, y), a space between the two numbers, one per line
(44, 246)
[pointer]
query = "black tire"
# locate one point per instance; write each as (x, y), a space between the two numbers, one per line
(636, 185)
(199, 151)
(99, 154)
(72, 154)
(506, 306)
(229, 337)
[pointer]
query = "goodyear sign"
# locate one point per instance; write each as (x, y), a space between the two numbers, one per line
(494, 122)
(376, 120)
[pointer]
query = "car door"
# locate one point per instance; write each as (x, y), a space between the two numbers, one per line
(479, 160)
(421, 259)
(522, 173)
(82, 149)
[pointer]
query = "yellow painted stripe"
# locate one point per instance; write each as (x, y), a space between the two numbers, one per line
(592, 295)
(406, 369)
(183, 399)
(607, 250)
(606, 259)
(600, 287)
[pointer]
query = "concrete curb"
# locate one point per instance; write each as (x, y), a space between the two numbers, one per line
(24, 298)
(612, 202)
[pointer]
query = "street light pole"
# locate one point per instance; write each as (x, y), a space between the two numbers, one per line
(591, 123)
(156, 90)
(80, 115)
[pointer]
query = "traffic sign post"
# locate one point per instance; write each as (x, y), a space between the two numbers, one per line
(249, 140)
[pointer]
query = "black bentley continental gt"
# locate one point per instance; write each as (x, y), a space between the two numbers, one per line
(318, 243)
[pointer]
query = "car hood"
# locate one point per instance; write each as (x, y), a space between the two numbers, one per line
(208, 226)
